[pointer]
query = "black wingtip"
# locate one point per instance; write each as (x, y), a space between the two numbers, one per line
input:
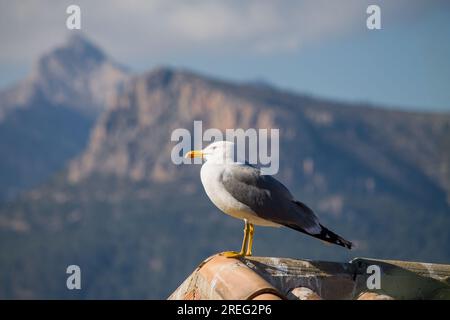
(325, 235)
(331, 237)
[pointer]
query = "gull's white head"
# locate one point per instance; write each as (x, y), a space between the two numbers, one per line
(217, 152)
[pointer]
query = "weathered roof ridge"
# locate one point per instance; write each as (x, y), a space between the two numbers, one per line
(264, 278)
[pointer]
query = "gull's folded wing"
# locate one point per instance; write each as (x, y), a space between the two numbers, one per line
(268, 198)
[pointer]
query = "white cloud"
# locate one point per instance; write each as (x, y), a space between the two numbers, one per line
(136, 29)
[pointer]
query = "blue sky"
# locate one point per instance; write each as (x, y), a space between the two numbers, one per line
(317, 47)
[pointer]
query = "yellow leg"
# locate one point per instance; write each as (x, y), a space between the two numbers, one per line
(242, 253)
(251, 232)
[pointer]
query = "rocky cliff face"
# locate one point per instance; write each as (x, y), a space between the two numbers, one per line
(132, 139)
(327, 147)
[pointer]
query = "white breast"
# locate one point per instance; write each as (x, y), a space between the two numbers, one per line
(210, 175)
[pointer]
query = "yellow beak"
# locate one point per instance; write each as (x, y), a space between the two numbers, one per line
(194, 154)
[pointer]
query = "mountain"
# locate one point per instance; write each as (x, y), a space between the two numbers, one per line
(137, 224)
(383, 150)
(46, 118)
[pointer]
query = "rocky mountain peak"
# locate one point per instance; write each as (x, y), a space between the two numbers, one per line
(76, 75)
(76, 55)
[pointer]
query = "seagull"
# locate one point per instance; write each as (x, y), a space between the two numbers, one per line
(241, 191)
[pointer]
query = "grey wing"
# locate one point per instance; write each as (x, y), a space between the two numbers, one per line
(268, 198)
